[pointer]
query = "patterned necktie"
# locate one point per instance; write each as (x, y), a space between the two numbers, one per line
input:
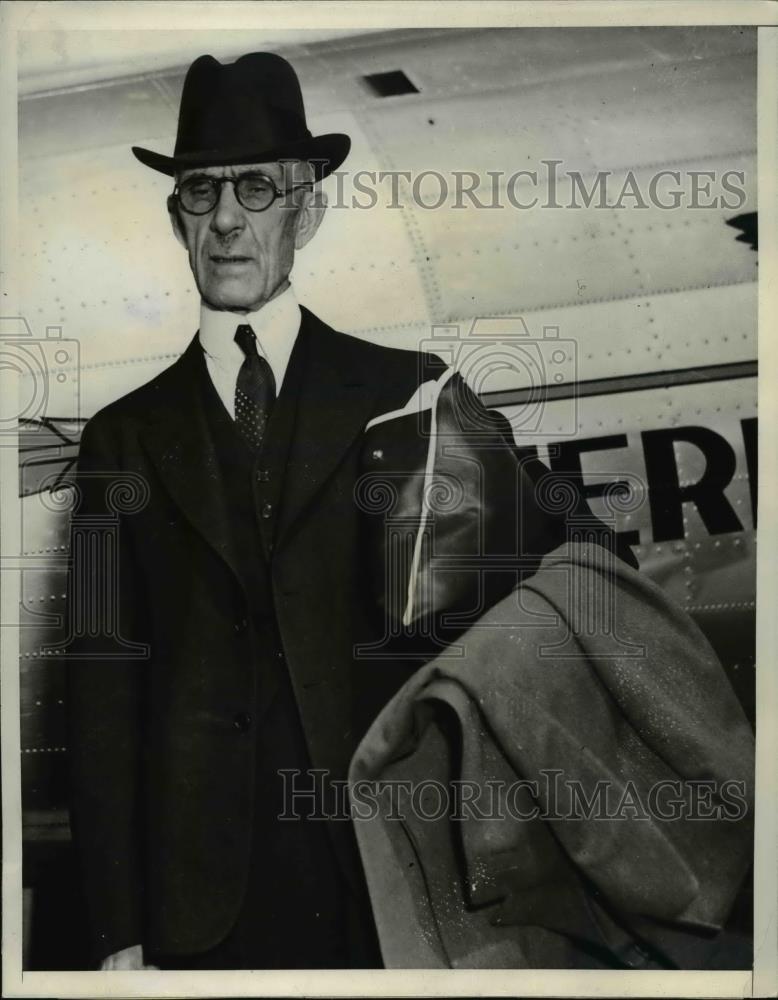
(255, 390)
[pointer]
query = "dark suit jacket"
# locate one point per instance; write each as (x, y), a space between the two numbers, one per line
(162, 768)
(162, 762)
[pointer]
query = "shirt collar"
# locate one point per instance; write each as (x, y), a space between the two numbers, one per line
(275, 324)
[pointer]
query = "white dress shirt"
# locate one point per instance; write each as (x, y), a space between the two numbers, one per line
(275, 325)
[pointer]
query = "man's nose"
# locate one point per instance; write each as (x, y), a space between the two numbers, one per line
(228, 213)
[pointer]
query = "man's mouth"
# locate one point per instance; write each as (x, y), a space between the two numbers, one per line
(221, 258)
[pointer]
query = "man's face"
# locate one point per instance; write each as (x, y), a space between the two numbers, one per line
(241, 259)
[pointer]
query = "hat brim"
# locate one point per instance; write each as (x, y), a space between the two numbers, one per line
(325, 152)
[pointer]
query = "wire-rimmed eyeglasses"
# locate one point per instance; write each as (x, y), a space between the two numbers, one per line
(256, 192)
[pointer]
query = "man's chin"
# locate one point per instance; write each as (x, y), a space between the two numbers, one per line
(231, 296)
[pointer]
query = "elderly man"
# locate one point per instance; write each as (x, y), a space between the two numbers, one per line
(238, 575)
(248, 601)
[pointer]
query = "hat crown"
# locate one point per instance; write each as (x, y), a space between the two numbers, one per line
(255, 101)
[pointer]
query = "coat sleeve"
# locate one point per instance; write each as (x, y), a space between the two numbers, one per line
(106, 661)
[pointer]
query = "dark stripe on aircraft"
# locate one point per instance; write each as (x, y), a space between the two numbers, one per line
(622, 383)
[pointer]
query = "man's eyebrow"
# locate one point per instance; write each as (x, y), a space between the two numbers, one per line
(256, 172)
(195, 177)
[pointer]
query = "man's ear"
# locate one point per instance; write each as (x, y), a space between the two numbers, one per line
(314, 205)
(173, 212)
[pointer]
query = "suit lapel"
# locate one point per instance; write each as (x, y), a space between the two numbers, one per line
(179, 443)
(335, 399)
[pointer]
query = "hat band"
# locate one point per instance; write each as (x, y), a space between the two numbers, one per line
(266, 130)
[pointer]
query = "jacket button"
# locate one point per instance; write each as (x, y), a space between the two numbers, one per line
(242, 722)
(267, 510)
(263, 475)
(240, 625)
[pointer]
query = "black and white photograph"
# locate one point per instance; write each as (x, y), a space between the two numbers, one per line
(381, 471)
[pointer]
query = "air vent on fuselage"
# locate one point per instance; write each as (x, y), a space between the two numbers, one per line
(390, 84)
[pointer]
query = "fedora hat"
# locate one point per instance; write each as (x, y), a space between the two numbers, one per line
(248, 111)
